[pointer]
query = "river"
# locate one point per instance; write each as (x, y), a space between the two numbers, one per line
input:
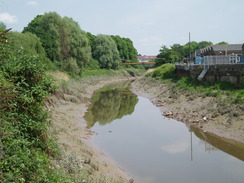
(152, 148)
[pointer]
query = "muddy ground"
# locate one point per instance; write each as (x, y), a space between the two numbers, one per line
(80, 157)
(208, 113)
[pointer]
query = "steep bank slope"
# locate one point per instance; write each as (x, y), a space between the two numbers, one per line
(209, 113)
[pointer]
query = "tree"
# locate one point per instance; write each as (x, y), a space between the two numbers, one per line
(91, 39)
(62, 38)
(132, 50)
(27, 42)
(204, 44)
(106, 52)
(2, 26)
(78, 42)
(177, 52)
(222, 42)
(167, 55)
(126, 49)
(46, 28)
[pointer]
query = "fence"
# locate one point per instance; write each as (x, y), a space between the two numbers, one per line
(221, 59)
(214, 60)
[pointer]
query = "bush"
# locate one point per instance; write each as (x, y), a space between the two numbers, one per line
(71, 66)
(92, 65)
(166, 71)
(25, 147)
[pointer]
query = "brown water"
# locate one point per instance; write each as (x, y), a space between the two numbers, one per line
(154, 149)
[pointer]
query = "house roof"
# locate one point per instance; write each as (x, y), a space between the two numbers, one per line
(147, 57)
(223, 47)
(229, 47)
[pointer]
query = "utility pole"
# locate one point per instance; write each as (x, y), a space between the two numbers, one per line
(189, 46)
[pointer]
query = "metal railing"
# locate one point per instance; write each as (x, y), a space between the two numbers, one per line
(220, 59)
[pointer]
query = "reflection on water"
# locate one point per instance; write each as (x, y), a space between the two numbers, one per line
(153, 149)
(110, 103)
(213, 143)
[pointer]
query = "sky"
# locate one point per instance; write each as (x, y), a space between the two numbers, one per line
(150, 24)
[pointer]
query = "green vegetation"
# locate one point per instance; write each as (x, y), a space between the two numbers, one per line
(165, 71)
(226, 99)
(126, 49)
(27, 42)
(27, 150)
(177, 52)
(25, 145)
(110, 72)
(63, 41)
(195, 88)
(72, 49)
(106, 52)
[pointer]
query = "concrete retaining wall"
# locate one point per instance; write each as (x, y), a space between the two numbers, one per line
(233, 73)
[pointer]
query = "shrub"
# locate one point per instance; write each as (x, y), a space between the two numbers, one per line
(25, 146)
(71, 66)
(166, 71)
(92, 64)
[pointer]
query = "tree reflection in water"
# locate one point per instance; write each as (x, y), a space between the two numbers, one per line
(110, 103)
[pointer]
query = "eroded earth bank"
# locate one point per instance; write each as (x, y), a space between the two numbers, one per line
(211, 114)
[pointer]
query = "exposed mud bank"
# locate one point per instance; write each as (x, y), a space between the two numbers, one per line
(79, 156)
(203, 112)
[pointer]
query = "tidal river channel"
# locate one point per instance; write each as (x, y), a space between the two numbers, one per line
(154, 149)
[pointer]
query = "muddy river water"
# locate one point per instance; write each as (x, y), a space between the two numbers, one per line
(154, 149)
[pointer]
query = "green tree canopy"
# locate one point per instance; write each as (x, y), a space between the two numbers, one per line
(204, 44)
(126, 49)
(62, 38)
(2, 26)
(177, 52)
(27, 42)
(106, 52)
(46, 27)
(91, 39)
(77, 41)
(222, 42)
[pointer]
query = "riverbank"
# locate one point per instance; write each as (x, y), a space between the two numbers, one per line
(79, 157)
(208, 113)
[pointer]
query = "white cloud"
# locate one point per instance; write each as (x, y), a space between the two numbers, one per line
(7, 18)
(32, 3)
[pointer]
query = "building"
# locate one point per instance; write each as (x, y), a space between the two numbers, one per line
(146, 58)
(243, 50)
(223, 49)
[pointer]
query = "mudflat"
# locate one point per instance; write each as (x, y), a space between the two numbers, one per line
(69, 105)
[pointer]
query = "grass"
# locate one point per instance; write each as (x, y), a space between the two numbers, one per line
(226, 99)
(222, 90)
(109, 72)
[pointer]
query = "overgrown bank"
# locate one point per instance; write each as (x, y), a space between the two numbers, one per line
(28, 150)
(214, 108)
